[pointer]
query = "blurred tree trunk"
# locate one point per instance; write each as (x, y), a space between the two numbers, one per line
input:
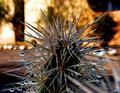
(19, 14)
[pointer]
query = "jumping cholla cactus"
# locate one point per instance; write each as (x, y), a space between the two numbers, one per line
(61, 59)
(59, 63)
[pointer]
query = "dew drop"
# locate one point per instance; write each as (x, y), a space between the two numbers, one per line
(19, 89)
(11, 90)
(22, 54)
(99, 76)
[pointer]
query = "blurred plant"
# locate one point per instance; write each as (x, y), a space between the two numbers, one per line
(2, 12)
(70, 8)
(6, 10)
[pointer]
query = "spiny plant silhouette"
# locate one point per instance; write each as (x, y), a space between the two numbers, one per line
(59, 64)
(62, 60)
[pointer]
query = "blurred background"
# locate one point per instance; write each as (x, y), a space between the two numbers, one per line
(11, 31)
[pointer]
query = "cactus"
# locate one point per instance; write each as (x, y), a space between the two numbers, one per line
(59, 64)
(62, 59)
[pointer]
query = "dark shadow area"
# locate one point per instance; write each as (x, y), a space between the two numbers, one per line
(104, 5)
(7, 83)
(105, 29)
